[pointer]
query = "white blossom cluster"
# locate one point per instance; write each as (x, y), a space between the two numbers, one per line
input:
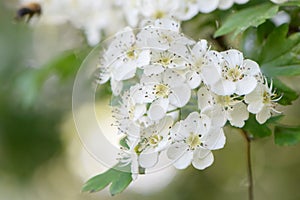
(96, 17)
(156, 74)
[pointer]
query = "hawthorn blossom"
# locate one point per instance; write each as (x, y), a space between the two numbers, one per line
(128, 113)
(200, 55)
(121, 59)
(164, 91)
(262, 102)
(223, 108)
(226, 4)
(193, 140)
(154, 139)
(232, 75)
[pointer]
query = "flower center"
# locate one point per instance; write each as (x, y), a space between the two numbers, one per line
(193, 141)
(223, 100)
(233, 74)
(162, 90)
(131, 53)
(266, 97)
(159, 14)
(155, 139)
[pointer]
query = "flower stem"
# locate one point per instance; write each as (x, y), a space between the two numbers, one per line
(249, 165)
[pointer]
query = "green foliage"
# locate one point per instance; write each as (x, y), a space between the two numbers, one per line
(287, 135)
(118, 178)
(255, 129)
(249, 17)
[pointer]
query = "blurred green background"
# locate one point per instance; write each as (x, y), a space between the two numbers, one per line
(42, 158)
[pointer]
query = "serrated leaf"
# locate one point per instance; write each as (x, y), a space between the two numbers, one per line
(99, 182)
(249, 17)
(287, 135)
(288, 94)
(118, 178)
(120, 183)
(280, 55)
(255, 129)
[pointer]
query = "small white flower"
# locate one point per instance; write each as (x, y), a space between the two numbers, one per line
(128, 113)
(162, 60)
(163, 91)
(222, 108)
(157, 9)
(200, 55)
(233, 75)
(193, 140)
(279, 1)
(164, 34)
(121, 60)
(154, 139)
(262, 102)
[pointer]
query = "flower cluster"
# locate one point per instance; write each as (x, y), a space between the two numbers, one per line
(94, 16)
(157, 74)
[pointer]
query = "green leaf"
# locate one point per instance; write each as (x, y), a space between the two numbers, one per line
(291, 3)
(120, 183)
(249, 17)
(118, 178)
(280, 55)
(123, 142)
(287, 135)
(288, 95)
(255, 129)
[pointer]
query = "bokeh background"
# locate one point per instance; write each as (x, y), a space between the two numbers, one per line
(42, 158)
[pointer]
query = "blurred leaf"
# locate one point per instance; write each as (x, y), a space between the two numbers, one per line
(118, 177)
(291, 3)
(256, 129)
(288, 94)
(287, 135)
(249, 17)
(123, 142)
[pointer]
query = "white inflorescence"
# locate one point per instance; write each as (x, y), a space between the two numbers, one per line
(158, 74)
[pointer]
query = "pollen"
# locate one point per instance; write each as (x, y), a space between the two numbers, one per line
(193, 140)
(162, 90)
(155, 139)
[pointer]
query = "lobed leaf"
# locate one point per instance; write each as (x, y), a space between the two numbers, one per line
(249, 17)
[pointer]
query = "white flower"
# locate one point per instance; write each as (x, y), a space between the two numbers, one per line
(164, 91)
(154, 139)
(262, 102)
(128, 113)
(207, 7)
(157, 9)
(162, 60)
(164, 34)
(121, 60)
(233, 75)
(129, 156)
(222, 108)
(193, 140)
(200, 55)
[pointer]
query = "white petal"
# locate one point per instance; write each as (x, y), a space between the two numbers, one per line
(172, 78)
(255, 107)
(223, 87)
(246, 85)
(153, 69)
(214, 139)
(193, 79)
(176, 151)
(158, 109)
(184, 161)
(202, 159)
(211, 74)
(238, 115)
(180, 95)
(144, 58)
(205, 98)
(263, 115)
(251, 67)
(206, 7)
(233, 57)
(139, 111)
(148, 159)
(124, 70)
(217, 115)
(116, 86)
